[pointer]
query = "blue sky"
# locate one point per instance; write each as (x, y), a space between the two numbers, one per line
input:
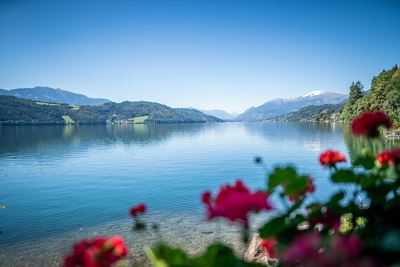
(208, 54)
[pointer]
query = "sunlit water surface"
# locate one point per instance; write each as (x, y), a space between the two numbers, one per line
(61, 184)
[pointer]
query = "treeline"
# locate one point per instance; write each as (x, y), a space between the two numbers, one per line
(384, 95)
(17, 111)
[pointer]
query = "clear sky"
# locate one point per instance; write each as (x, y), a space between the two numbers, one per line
(207, 54)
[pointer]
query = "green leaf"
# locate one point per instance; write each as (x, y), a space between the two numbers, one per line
(280, 176)
(344, 176)
(336, 198)
(288, 178)
(368, 180)
(296, 205)
(367, 162)
(216, 255)
(295, 185)
(273, 227)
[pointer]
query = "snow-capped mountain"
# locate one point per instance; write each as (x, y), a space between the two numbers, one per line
(317, 93)
(281, 106)
(219, 113)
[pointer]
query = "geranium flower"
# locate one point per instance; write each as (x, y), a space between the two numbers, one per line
(368, 123)
(206, 197)
(305, 248)
(331, 157)
(97, 252)
(235, 202)
(269, 246)
(388, 157)
(329, 219)
(385, 158)
(341, 251)
(138, 209)
(347, 245)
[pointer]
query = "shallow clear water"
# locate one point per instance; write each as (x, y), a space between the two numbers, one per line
(63, 183)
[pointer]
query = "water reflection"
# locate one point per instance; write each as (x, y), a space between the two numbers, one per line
(15, 139)
(356, 144)
(63, 179)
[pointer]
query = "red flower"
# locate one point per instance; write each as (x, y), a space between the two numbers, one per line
(98, 252)
(331, 157)
(269, 246)
(308, 189)
(368, 123)
(235, 202)
(138, 209)
(385, 158)
(206, 197)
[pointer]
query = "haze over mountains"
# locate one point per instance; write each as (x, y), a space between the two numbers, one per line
(269, 110)
(219, 113)
(280, 106)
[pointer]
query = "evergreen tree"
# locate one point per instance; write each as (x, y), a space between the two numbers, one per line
(356, 93)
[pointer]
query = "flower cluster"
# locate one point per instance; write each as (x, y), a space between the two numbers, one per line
(310, 249)
(331, 157)
(368, 123)
(235, 202)
(97, 252)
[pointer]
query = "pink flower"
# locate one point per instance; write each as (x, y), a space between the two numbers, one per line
(348, 245)
(303, 249)
(235, 202)
(310, 249)
(368, 123)
(138, 209)
(331, 157)
(97, 252)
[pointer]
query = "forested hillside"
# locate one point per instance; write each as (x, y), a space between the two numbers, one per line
(16, 111)
(384, 95)
(321, 113)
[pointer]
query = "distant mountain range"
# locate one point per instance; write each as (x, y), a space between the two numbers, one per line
(52, 95)
(44, 105)
(278, 107)
(219, 113)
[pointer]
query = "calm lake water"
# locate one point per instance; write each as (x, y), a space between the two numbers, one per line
(61, 184)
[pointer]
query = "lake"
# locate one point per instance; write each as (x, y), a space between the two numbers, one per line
(63, 183)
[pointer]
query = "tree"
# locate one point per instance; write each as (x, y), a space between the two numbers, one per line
(356, 93)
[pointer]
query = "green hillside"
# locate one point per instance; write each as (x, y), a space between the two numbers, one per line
(16, 111)
(321, 113)
(384, 95)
